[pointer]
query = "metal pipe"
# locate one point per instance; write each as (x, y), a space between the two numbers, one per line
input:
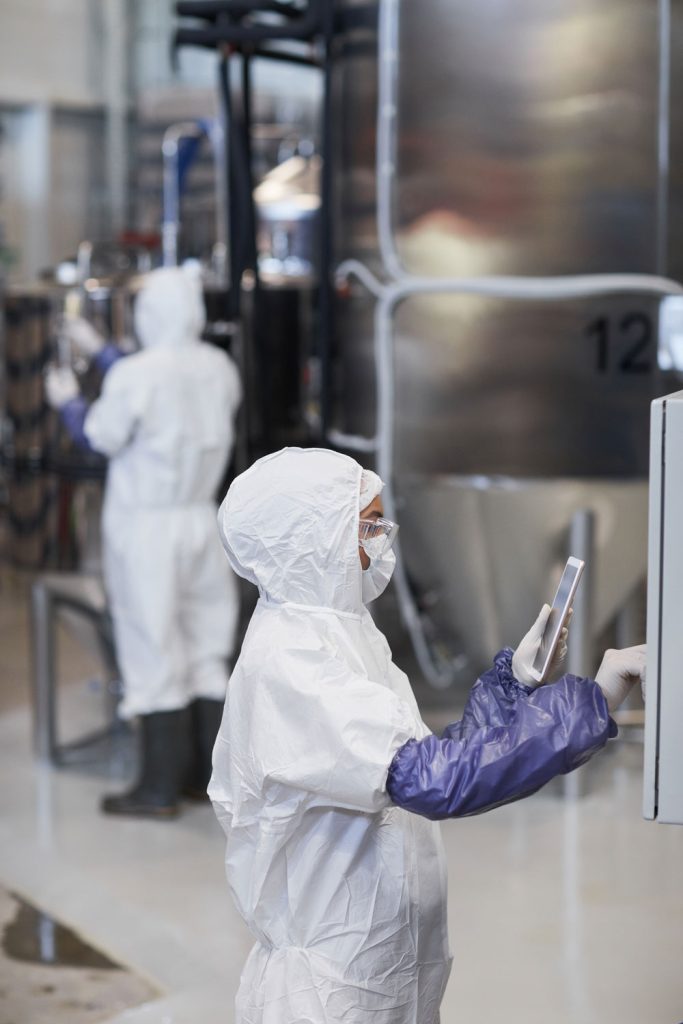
(83, 261)
(171, 185)
(308, 61)
(250, 210)
(115, 77)
(48, 596)
(219, 251)
(42, 674)
(580, 656)
(234, 215)
(210, 10)
(388, 43)
(538, 289)
(663, 144)
(249, 254)
(304, 27)
(230, 226)
(325, 292)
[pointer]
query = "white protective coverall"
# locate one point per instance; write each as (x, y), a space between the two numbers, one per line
(165, 420)
(344, 892)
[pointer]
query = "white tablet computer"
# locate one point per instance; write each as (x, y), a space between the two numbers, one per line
(562, 602)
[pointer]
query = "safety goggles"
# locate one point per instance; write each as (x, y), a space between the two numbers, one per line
(376, 536)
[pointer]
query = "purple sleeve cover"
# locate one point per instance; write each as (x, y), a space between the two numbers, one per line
(510, 741)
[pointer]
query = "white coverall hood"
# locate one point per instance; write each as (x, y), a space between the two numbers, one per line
(344, 893)
(371, 486)
(170, 309)
(290, 525)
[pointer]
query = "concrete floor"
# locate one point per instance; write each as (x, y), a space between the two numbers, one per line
(567, 907)
(49, 976)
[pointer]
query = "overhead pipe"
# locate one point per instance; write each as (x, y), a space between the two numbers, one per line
(211, 10)
(304, 26)
(170, 149)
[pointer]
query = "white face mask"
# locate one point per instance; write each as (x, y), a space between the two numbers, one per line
(376, 577)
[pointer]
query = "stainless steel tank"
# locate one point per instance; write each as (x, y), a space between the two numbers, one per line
(529, 140)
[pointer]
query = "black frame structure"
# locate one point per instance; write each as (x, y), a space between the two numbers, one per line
(273, 30)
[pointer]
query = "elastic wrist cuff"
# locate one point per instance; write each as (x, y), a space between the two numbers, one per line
(506, 677)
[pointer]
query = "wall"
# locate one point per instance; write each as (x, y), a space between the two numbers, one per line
(56, 101)
(71, 74)
(51, 52)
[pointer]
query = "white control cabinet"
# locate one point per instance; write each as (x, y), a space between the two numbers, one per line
(663, 769)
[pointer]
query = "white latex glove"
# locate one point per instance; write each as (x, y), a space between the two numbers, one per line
(61, 386)
(525, 655)
(619, 671)
(83, 336)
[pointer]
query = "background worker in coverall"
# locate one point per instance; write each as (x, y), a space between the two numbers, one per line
(165, 420)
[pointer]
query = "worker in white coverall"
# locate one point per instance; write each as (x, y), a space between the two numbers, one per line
(165, 420)
(322, 755)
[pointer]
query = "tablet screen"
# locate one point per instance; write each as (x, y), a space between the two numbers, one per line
(558, 611)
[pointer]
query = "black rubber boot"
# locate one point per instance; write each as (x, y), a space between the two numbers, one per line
(164, 763)
(205, 720)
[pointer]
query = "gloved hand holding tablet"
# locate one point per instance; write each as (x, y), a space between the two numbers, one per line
(535, 657)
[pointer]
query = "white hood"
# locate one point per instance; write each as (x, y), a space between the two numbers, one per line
(169, 310)
(289, 524)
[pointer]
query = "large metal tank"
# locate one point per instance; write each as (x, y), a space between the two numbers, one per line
(531, 139)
